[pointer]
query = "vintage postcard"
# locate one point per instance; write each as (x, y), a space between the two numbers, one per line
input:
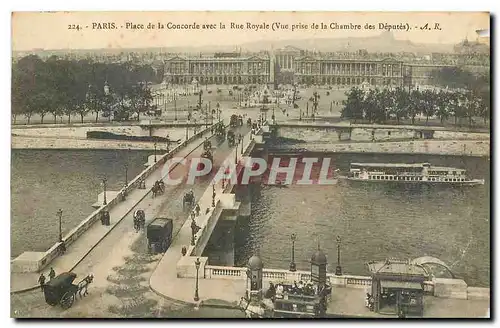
(250, 165)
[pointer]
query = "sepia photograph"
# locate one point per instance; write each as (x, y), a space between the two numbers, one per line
(216, 164)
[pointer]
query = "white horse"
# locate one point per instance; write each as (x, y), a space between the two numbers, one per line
(84, 285)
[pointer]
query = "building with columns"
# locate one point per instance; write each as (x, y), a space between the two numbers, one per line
(317, 70)
(218, 69)
(292, 65)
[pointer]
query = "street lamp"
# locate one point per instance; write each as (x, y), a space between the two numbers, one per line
(197, 264)
(241, 140)
(338, 269)
(194, 229)
(155, 151)
(59, 215)
(293, 267)
(104, 180)
(213, 195)
(126, 168)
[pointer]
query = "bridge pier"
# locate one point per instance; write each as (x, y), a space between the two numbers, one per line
(220, 247)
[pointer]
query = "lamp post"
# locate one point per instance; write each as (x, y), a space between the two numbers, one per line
(59, 215)
(293, 267)
(155, 151)
(126, 175)
(213, 195)
(197, 264)
(338, 269)
(175, 107)
(194, 229)
(104, 180)
(241, 141)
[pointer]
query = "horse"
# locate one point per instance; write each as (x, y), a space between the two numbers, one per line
(139, 220)
(84, 285)
(158, 188)
(188, 198)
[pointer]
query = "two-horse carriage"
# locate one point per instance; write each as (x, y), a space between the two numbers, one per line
(139, 220)
(231, 138)
(61, 289)
(158, 188)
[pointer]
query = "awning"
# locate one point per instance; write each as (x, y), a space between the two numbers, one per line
(401, 284)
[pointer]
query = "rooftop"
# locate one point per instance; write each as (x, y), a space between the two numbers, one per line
(396, 267)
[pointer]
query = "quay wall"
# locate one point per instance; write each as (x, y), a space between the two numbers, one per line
(435, 147)
(76, 232)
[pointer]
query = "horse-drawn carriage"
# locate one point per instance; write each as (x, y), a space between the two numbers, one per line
(207, 154)
(236, 120)
(207, 145)
(61, 289)
(188, 200)
(231, 139)
(139, 220)
(220, 131)
(158, 188)
(159, 235)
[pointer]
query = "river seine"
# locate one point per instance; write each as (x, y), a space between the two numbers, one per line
(42, 181)
(374, 221)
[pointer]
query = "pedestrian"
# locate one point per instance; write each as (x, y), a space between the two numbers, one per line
(41, 281)
(52, 274)
(197, 209)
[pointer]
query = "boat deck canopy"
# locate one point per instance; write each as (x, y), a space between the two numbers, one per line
(400, 284)
(387, 165)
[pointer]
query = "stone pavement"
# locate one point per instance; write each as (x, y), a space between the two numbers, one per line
(91, 238)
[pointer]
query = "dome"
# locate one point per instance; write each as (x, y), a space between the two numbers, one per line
(319, 257)
(255, 263)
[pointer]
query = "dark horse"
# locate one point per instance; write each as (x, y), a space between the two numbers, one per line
(158, 188)
(139, 220)
(188, 199)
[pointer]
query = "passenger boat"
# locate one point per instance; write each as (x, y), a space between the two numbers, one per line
(418, 173)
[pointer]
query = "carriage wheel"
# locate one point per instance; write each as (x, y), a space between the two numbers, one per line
(67, 300)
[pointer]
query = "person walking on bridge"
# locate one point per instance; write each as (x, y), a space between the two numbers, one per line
(52, 274)
(41, 281)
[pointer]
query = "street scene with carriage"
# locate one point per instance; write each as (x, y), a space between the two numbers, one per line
(355, 183)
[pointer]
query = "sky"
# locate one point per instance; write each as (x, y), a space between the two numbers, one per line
(85, 30)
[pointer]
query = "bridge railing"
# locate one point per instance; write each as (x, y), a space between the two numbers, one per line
(279, 275)
(79, 230)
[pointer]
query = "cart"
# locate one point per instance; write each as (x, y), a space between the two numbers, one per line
(62, 291)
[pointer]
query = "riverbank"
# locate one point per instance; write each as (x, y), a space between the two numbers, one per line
(431, 147)
(29, 142)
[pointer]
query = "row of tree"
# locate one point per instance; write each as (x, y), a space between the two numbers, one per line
(67, 87)
(381, 106)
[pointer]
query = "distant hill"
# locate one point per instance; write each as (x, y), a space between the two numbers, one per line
(382, 43)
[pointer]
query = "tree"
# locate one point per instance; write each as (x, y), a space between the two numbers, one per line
(353, 105)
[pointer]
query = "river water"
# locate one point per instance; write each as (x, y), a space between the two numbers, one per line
(42, 181)
(374, 221)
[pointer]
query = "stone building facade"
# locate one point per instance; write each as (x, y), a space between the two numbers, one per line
(293, 65)
(217, 70)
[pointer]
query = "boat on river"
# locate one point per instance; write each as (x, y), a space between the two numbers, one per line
(418, 173)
